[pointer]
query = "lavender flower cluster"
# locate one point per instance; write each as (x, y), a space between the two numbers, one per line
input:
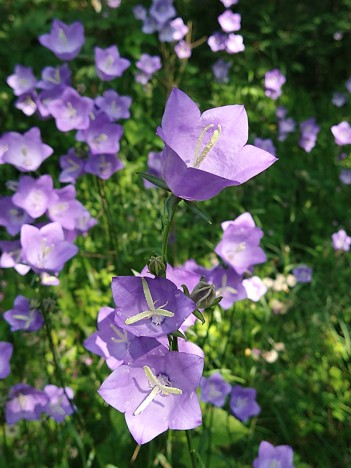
(226, 40)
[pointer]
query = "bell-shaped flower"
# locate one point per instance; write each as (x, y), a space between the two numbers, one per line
(206, 153)
(228, 284)
(255, 288)
(243, 402)
(109, 64)
(72, 167)
(65, 209)
(64, 40)
(229, 21)
(11, 257)
(22, 81)
(58, 406)
(24, 402)
(6, 350)
(12, 217)
(341, 241)
(162, 10)
(273, 81)
(270, 456)
(45, 249)
(342, 133)
(149, 307)
(103, 165)
(52, 77)
(34, 195)
(26, 152)
(214, 389)
(156, 392)
(70, 110)
(24, 316)
(116, 107)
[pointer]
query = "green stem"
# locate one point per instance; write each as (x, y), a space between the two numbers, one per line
(170, 208)
(191, 449)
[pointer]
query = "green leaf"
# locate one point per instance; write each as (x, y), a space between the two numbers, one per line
(198, 211)
(199, 315)
(226, 429)
(179, 334)
(154, 180)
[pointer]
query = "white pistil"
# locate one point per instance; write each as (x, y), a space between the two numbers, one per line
(72, 112)
(159, 385)
(152, 311)
(62, 36)
(224, 288)
(73, 165)
(109, 61)
(198, 158)
(122, 336)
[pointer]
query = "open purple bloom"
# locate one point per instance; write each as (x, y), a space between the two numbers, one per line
(23, 316)
(273, 81)
(183, 50)
(11, 257)
(72, 167)
(285, 126)
(65, 209)
(239, 246)
(229, 21)
(265, 144)
(228, 284)
(156, 392)
(341, 241)
(103, 165)
(214, 389)
(217, 41)
(58, 406)
(255, 288)
(139, 12)
(154, 165)
(243, 402)
(149, 64)
(64, 40)
(162, 10)
(339, 99)
(342, 133)
(179, 29)
(109, 64)
(270, 456)
(6, 350)
(27, 103)
(116, 107)
(205, 153)
(25, 402)
(234, 44)
(220, 70)
(229, 3)
(309, 131)
(52, 77)
(46, 97)
(26, 152)
(345, 176)
(12, 217)
(303, 274)
(22, 81)
(34, 195)
(71, 111)
(45, 249)
(102, 136)
(149, 307)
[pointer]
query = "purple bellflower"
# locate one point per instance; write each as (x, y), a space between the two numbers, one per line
(149, 307)
(217, 41)
(309, 131)
(214, 389)
(52, 77)
(229, 3)
(139, 12)
(179, 29)
(34, 195)
(342, 133)
(234, 44)
(23, 316)
(72, 167)
(71, 111)
(220, 70)
(303, 274)
(270, 456)
(64, 40)
(102, 136)
(109, 64)
(243, 403)
(255, 288)
(103, 165)
(27, 103)
(341, 241)
(345, 176)
(206, 153)
(339, 99)
(6, 350)
(22, 81)
(239, 246)
(45, 249)
(228, 284)
(156, 392)
(25, 402)
(285, 126)
(12, 217)
(116, 107)
(11, 257)
(154, 165)
(26, 152)
(229, 21)
(183, 50)
(65, 209)
(265, 144)
(58, 406)
(149, 64)
(273, 81)
(162, 10)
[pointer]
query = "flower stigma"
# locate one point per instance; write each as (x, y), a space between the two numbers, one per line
(198, 158)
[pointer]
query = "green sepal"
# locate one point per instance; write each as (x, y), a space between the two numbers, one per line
(217, 301)
(179, 334)
(199, 315)
(154, 180)
(186, 290)
(198, 211)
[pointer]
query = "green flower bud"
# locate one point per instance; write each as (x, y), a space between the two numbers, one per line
(157, 266)
(204, 294)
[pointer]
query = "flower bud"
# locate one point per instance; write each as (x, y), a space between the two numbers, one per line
(204, 294)
(157, 267)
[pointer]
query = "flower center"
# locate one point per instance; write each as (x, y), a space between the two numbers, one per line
(159, 384)
(224, 288)
(109, 61)
(122, 336)
(157, 315)
(199, 157)
(62, 36)
(28, 319)
(72, 112)
(45, 251)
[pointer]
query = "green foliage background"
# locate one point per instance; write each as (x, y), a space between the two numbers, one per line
(305, 395)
